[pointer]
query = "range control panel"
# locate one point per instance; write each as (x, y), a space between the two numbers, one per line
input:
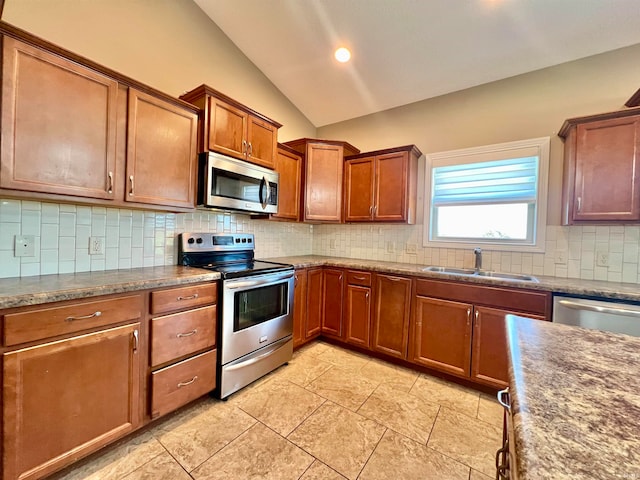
(215, 242)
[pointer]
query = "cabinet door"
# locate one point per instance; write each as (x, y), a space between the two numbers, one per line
(441, 335)
(391, 315)
(314, 302)
(263, 142)
(64, 399)
(332, 299)
(323, 190)
(58, 125)
(489, 363)
(227, 129)
(391, 180)
(357, 315)
(289, 167)
(161, 152)
(299, 306)
(358, 189)
(608, 170)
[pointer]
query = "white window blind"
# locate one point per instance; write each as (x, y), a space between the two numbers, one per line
(500, 181)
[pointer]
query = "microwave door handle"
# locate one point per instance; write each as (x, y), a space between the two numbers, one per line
(268, 187)
(264, 185)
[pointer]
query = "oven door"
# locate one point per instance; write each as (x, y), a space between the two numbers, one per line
(256, 311)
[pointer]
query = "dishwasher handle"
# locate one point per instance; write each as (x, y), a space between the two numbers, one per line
(598, 308)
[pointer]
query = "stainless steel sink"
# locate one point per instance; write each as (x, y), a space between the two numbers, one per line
(515, 277)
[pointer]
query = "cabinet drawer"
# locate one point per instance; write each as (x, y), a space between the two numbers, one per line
(179, 334)
(164, 301)
(358, 278)
(178, 384)
(52, 321)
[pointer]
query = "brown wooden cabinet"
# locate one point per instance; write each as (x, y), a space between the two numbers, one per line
(58, 125)
(289, 166)
(315, 299)
(322, 177)
(333, 287)
(382, 186)
(391, 315)
(357, 309)
(459, 328)
(299, 307)
(161, 152)
(602, 168)
(182, 341)
(230, 128)
(66, 398)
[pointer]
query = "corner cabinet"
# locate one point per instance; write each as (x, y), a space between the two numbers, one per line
(382, 186)
(58, 124)
(55, 408)
(602, 168)
(322, 177)
(233, 129)
(161, 152)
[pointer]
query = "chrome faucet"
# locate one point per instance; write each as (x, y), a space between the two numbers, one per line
(478, 253)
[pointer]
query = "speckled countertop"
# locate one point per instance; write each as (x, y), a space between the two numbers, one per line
(575, 397)
(569, 286)
(19, 292)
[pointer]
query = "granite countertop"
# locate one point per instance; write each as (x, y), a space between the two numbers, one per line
(575, 399)
(19, 292)
(569, 286)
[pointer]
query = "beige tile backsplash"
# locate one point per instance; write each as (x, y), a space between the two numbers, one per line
(135, 238)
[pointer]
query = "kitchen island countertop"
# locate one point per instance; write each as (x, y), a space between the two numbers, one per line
(23, 291)
(575, 399)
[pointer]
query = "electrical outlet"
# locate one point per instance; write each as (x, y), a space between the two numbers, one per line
(96, 246)
(25, 246)
(332, 244)
(602, 259)
(411, 248)
(391, 247)
(561, 257)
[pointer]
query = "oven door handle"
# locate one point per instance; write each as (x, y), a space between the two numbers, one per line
(250, 361)
(254, 282)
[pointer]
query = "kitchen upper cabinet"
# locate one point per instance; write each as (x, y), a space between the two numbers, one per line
(602, 168)
(357, 309)
(230, 128)
(289, 167)
(161, 152)
(315, 302)
(391, 315)
(57, 408)
(333, 285)
(322, 177)
(58, 125)
(299, 306)
(459, 328)
(382, 186)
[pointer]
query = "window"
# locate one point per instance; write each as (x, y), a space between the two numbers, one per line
(494, 195)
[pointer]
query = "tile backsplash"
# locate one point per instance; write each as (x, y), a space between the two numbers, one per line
(132, 238)
(135, 238)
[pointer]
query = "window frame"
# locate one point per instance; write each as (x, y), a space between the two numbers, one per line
(487, 153)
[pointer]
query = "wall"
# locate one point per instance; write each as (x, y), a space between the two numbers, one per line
(133, 238)
(168, 44)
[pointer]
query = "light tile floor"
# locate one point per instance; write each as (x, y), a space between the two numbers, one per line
(329, 414)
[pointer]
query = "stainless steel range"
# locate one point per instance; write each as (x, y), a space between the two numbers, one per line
(255, 319)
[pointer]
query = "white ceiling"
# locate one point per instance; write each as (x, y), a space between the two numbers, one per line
(409, 50)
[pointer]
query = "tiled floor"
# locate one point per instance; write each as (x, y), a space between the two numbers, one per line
(329, 414)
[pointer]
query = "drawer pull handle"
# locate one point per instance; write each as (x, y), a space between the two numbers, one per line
(359, 278)
(83, 317)
(188, 334)
(190, 297)
(184, 384)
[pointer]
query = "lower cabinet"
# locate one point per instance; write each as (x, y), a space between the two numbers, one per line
(66, 398)
(299, 306)
(391, 315)
(314, 302)
(332, 282)
(357, 309)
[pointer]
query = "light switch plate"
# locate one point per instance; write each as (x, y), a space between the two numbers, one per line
(25, 246)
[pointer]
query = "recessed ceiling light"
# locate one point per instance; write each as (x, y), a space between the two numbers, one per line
(342, 55)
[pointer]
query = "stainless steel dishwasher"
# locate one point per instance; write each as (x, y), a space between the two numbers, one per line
(601, 315)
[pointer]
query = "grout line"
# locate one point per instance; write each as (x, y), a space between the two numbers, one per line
(373, 451)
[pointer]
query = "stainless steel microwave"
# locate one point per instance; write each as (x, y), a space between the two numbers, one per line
(226, 183)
